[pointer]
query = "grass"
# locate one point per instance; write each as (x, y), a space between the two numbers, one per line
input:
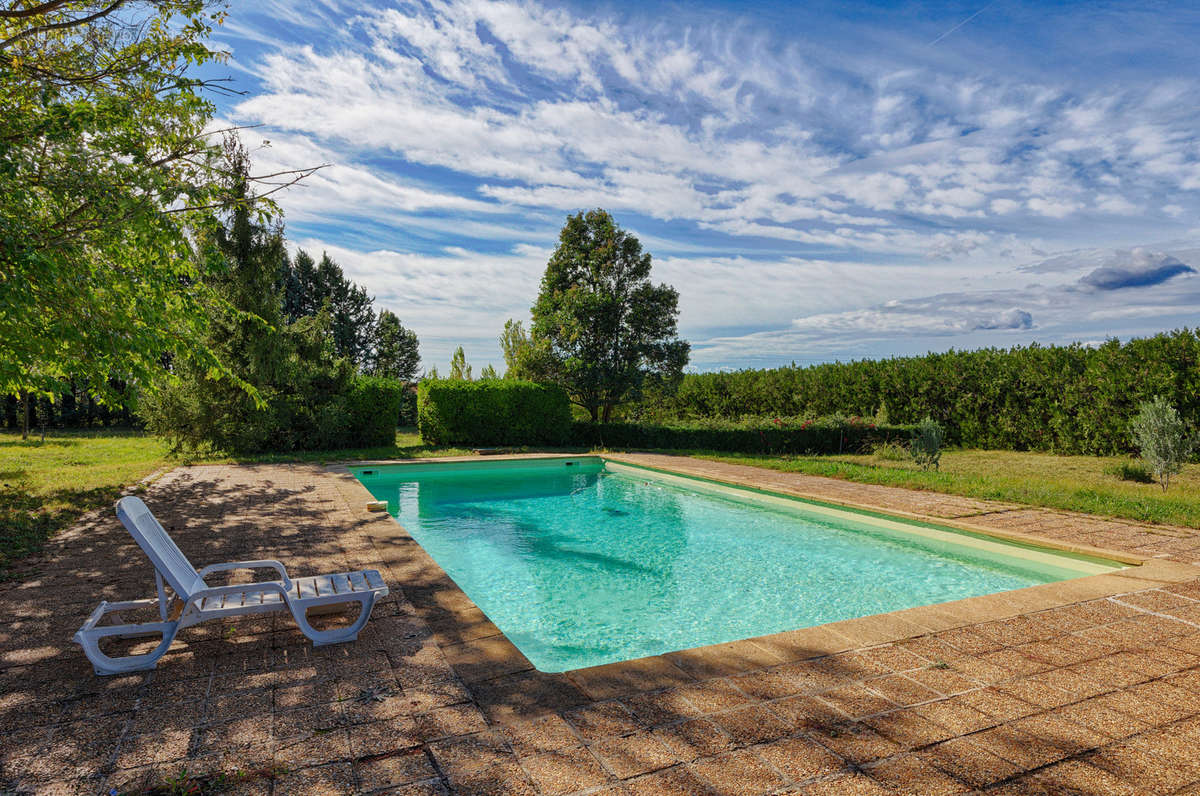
(45, 486)
(1072, 483)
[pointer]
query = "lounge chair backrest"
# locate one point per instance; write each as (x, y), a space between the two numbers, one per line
(162, 550)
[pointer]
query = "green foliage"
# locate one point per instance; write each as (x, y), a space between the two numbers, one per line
(1162, 438)
(368, 414)
(600, 327)
(1130, 471)
(496, 412)
(308, 287)
(892, 451)
(459, 369)
(487, 372)
(926, 445)
(397, 355)
(106, 172)
(752, 435)
(303, 395)
(515, 345)
(1066, 399)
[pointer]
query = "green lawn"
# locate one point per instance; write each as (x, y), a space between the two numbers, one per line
(47, 485)
(1074, 483)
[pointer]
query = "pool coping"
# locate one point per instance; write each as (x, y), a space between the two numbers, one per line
(757, 652)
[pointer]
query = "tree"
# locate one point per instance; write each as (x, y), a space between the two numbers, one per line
(459, 369)
(286, 379)
(397, 354)
(600, 327)
(488, 372)
(1161, 436)
(308, 287)
(515, 344)
(108, 172)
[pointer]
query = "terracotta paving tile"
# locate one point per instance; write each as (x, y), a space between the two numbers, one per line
(379, 737)
(856, 701)
(543, 734)
(908, 730)
(955, 716)
(942, 679)
(911, 776)
(767, 684)
(813, 676)
(752, 724)
(661, 707)
(565, 770)
(484, 658)
(525, 695)
(848, 785)
(392, 770)
(856, 742)
(465, 754)
(969, 641)
(1015, 663)
(677, 781)
(630, 677)
(968, 763)
(1108, 673)
(1077, 776)
(1067, 736)
(902, 690)
(1020, 748)
(693, 739)
(713, 696)
(500, 780)
(449, 721)
(895, 659)
(633, 755)
(1036, 692)
(800, 759)
(740, 773)
(1133, 765)
(1097, 716)
(1157, 600)
(1147, 710)
(337, 778)
(602, 720)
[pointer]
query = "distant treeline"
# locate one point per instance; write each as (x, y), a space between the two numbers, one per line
(1073, 399)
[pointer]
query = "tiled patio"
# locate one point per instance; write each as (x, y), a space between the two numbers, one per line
(1083, 687)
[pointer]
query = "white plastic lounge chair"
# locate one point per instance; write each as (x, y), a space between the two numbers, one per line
(201, 602)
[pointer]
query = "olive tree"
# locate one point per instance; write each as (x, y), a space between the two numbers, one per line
(1162, 438)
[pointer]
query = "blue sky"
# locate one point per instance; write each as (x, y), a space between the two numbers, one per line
(819, 181)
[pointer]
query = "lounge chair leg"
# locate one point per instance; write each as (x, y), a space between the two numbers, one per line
(105, 665)
(340, 635)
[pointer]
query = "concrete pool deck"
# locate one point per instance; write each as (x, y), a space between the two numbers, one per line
(1084, 686)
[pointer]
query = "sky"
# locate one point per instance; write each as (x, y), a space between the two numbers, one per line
(819, 181)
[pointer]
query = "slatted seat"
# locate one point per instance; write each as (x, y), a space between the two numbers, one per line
(201, 602)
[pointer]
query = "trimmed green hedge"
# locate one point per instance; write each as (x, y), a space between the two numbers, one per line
(370, 409)
(826, 435)
(492, 412)
(1074, 399)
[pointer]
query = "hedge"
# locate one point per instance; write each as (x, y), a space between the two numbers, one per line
(1073, 399)
(492, 412)
(826, 435)
(370, 409)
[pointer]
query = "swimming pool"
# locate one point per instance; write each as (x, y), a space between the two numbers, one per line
(583, 561)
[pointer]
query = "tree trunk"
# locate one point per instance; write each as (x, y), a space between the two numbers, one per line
(594, 411)
(25, 411)
(607, 413)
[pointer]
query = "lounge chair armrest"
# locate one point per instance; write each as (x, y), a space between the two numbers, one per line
(264, 564)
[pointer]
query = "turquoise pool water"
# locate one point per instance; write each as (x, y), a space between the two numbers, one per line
(586, 563)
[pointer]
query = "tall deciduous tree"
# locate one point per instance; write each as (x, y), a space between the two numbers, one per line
(107, 174)
(397, 354)
(459, 369)
(601, 328)
(514, 343)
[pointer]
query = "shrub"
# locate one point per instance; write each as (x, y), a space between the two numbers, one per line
(369, 411)
(1162, 439)
(752, 435)
(891, 451)
(492, 412)
(1129, 471)
(926, 445)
